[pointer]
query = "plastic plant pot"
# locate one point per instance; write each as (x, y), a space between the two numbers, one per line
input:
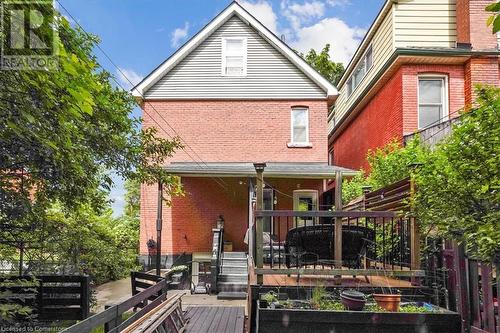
(353, 300)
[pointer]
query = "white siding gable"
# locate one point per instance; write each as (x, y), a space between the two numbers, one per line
(270, 75)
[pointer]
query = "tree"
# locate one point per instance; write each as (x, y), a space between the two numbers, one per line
(458, 182)
(331, 70)
(494, 19)
(62, 130)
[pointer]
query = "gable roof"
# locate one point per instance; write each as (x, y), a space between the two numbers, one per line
(233, 9)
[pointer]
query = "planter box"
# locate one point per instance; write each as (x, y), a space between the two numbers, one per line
(297, 320)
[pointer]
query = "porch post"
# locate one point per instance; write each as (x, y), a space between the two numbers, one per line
(414, 228)
(338, 220)
(159, 222)
(259, 221)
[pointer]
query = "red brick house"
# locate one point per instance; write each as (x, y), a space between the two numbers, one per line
(415, 69)
(235, 94)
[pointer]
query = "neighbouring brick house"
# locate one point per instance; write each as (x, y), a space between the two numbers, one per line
(235, 94)
(416, 68)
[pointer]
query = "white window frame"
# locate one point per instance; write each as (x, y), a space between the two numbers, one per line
(313, 195)
(351, 84)
(444, 96)
(292, 142)
(224, 56)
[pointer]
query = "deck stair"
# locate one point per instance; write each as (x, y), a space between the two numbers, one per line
(232, 281)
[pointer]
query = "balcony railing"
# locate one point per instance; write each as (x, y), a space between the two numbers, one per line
(434, 134)
(365, 243)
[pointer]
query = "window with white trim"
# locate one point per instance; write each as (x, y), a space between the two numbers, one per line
(360, 71)
(300, 126)
(234, 56)
(432, 100)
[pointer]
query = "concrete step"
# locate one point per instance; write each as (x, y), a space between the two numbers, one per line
(240, 255)
(229, 295)
(234, 262)
(231, 287)
(234, 270)
(237, 278)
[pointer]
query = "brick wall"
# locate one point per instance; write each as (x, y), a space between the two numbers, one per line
(379, 122)
(224, 131)
(480, 71)
(188, 223)
(392, 112)
(410, 73)
(471, 24)
(241, 131)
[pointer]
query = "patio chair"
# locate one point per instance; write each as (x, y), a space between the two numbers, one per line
(311, 245)
(272, 249)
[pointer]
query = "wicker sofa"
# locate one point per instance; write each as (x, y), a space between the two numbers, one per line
(309, 245)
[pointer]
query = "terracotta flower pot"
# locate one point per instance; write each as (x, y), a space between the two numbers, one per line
(388, 302)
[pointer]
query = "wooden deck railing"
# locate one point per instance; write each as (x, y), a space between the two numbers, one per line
(308, 242)
(111, 318)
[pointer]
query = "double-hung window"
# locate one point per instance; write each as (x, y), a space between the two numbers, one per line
(432, 100)
(300, 126)
(234, 56)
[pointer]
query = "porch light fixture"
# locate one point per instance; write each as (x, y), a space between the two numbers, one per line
(220, 222)
(259, 167)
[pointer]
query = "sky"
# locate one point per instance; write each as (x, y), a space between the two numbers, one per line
(140, 34)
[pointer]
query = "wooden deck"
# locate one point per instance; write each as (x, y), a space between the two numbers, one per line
(218, 319)
(346, 281)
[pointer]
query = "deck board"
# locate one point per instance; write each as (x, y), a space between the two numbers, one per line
(346, 281)
(221, 319)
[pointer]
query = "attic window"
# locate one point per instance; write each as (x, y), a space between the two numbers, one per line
(234, 56)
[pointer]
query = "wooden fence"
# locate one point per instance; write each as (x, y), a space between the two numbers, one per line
(394, 197)
(474, 286)
(53, 297)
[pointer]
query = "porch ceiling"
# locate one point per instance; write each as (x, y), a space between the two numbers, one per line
(274, 170)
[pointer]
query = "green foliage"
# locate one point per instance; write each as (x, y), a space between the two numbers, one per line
(458, 180)
(353, 188)
(459, 184)
(63, 130)
(331, 70)
(494, 19)
(393, 162)
(13, 306)
(319, 294)
(270, 297)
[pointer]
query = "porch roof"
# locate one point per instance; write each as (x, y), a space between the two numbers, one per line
(244, 169)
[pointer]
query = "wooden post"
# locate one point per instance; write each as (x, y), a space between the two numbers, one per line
(159, 222)
(259, 221)
(338, 222)
(85, 296)
(487, 288)
(461, 287)
(414, 235)
(497, 265)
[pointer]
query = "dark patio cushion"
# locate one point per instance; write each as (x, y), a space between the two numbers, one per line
(319, 239)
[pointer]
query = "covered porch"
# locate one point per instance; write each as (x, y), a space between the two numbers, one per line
(226, 193)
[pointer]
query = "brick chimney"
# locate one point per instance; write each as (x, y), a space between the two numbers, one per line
(472, 30)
